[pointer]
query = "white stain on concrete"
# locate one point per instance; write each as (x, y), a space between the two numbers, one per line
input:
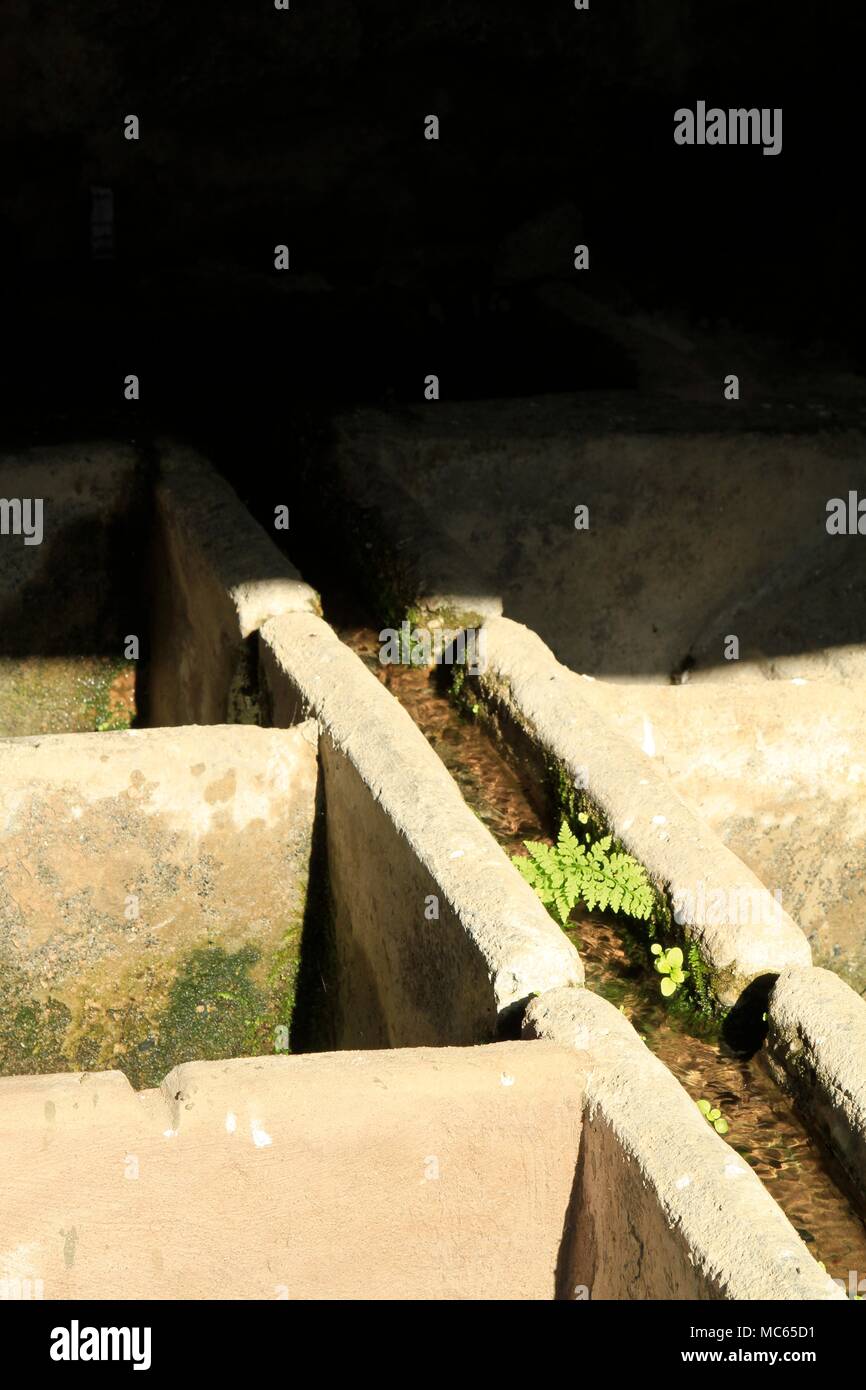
(231, 1122)
(260, 1136)
(17, 1263)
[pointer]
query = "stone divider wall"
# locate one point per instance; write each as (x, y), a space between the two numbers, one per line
(438, 941)
(817, 1023)
(569, 1169)
(816, 1045)
(153, 894)
(537, 706)
(217, 576)
(667, 1209)
(437, 937)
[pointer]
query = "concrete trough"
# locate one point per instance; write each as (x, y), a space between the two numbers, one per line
(423, 929)
(158, 891)
(427, 934)
(124, 864)
(154, 885)
(540, 709)
(777, 772)
(664, 1208)
(521, 1170)
(436, 937)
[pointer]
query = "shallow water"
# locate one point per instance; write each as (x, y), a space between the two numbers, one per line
(764, 1127)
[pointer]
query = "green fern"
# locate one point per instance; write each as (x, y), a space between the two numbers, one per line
(570, 871)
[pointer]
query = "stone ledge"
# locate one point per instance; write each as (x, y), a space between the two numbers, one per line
(545, 709)
(816, 1046)
(399, 836)
(667, 1205)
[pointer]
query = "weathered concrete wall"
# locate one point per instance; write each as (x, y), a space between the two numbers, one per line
(520, 1170)
(816, 1045)
(702, 521)
(541, 705)
(152, 893)
(662, 1208)
(437, 936)
(388, 1175)
(87, 493)
(62, 620)
(217, 576)
(778, 771)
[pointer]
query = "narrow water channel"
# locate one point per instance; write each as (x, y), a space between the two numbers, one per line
(764, 1127)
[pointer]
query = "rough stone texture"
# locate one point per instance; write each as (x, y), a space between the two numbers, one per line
(545, 704)
(431, 1174)
(817, 1048)
(778, 771)
(217, 577)
(664, 1208)
(703, 522)
(400, 836)
(153, 888)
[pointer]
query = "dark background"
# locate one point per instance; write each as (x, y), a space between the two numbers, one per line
(407, 256)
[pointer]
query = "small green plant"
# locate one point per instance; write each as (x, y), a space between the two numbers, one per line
(670, 965)
(570, 871)
(700, 980)
(713, 1116)
(112, 724)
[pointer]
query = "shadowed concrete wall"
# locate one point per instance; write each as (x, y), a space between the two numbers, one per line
(437, 937)
(701, 522)
(216, 577)
(87, 493)
(152, 894)
(387, 1175)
